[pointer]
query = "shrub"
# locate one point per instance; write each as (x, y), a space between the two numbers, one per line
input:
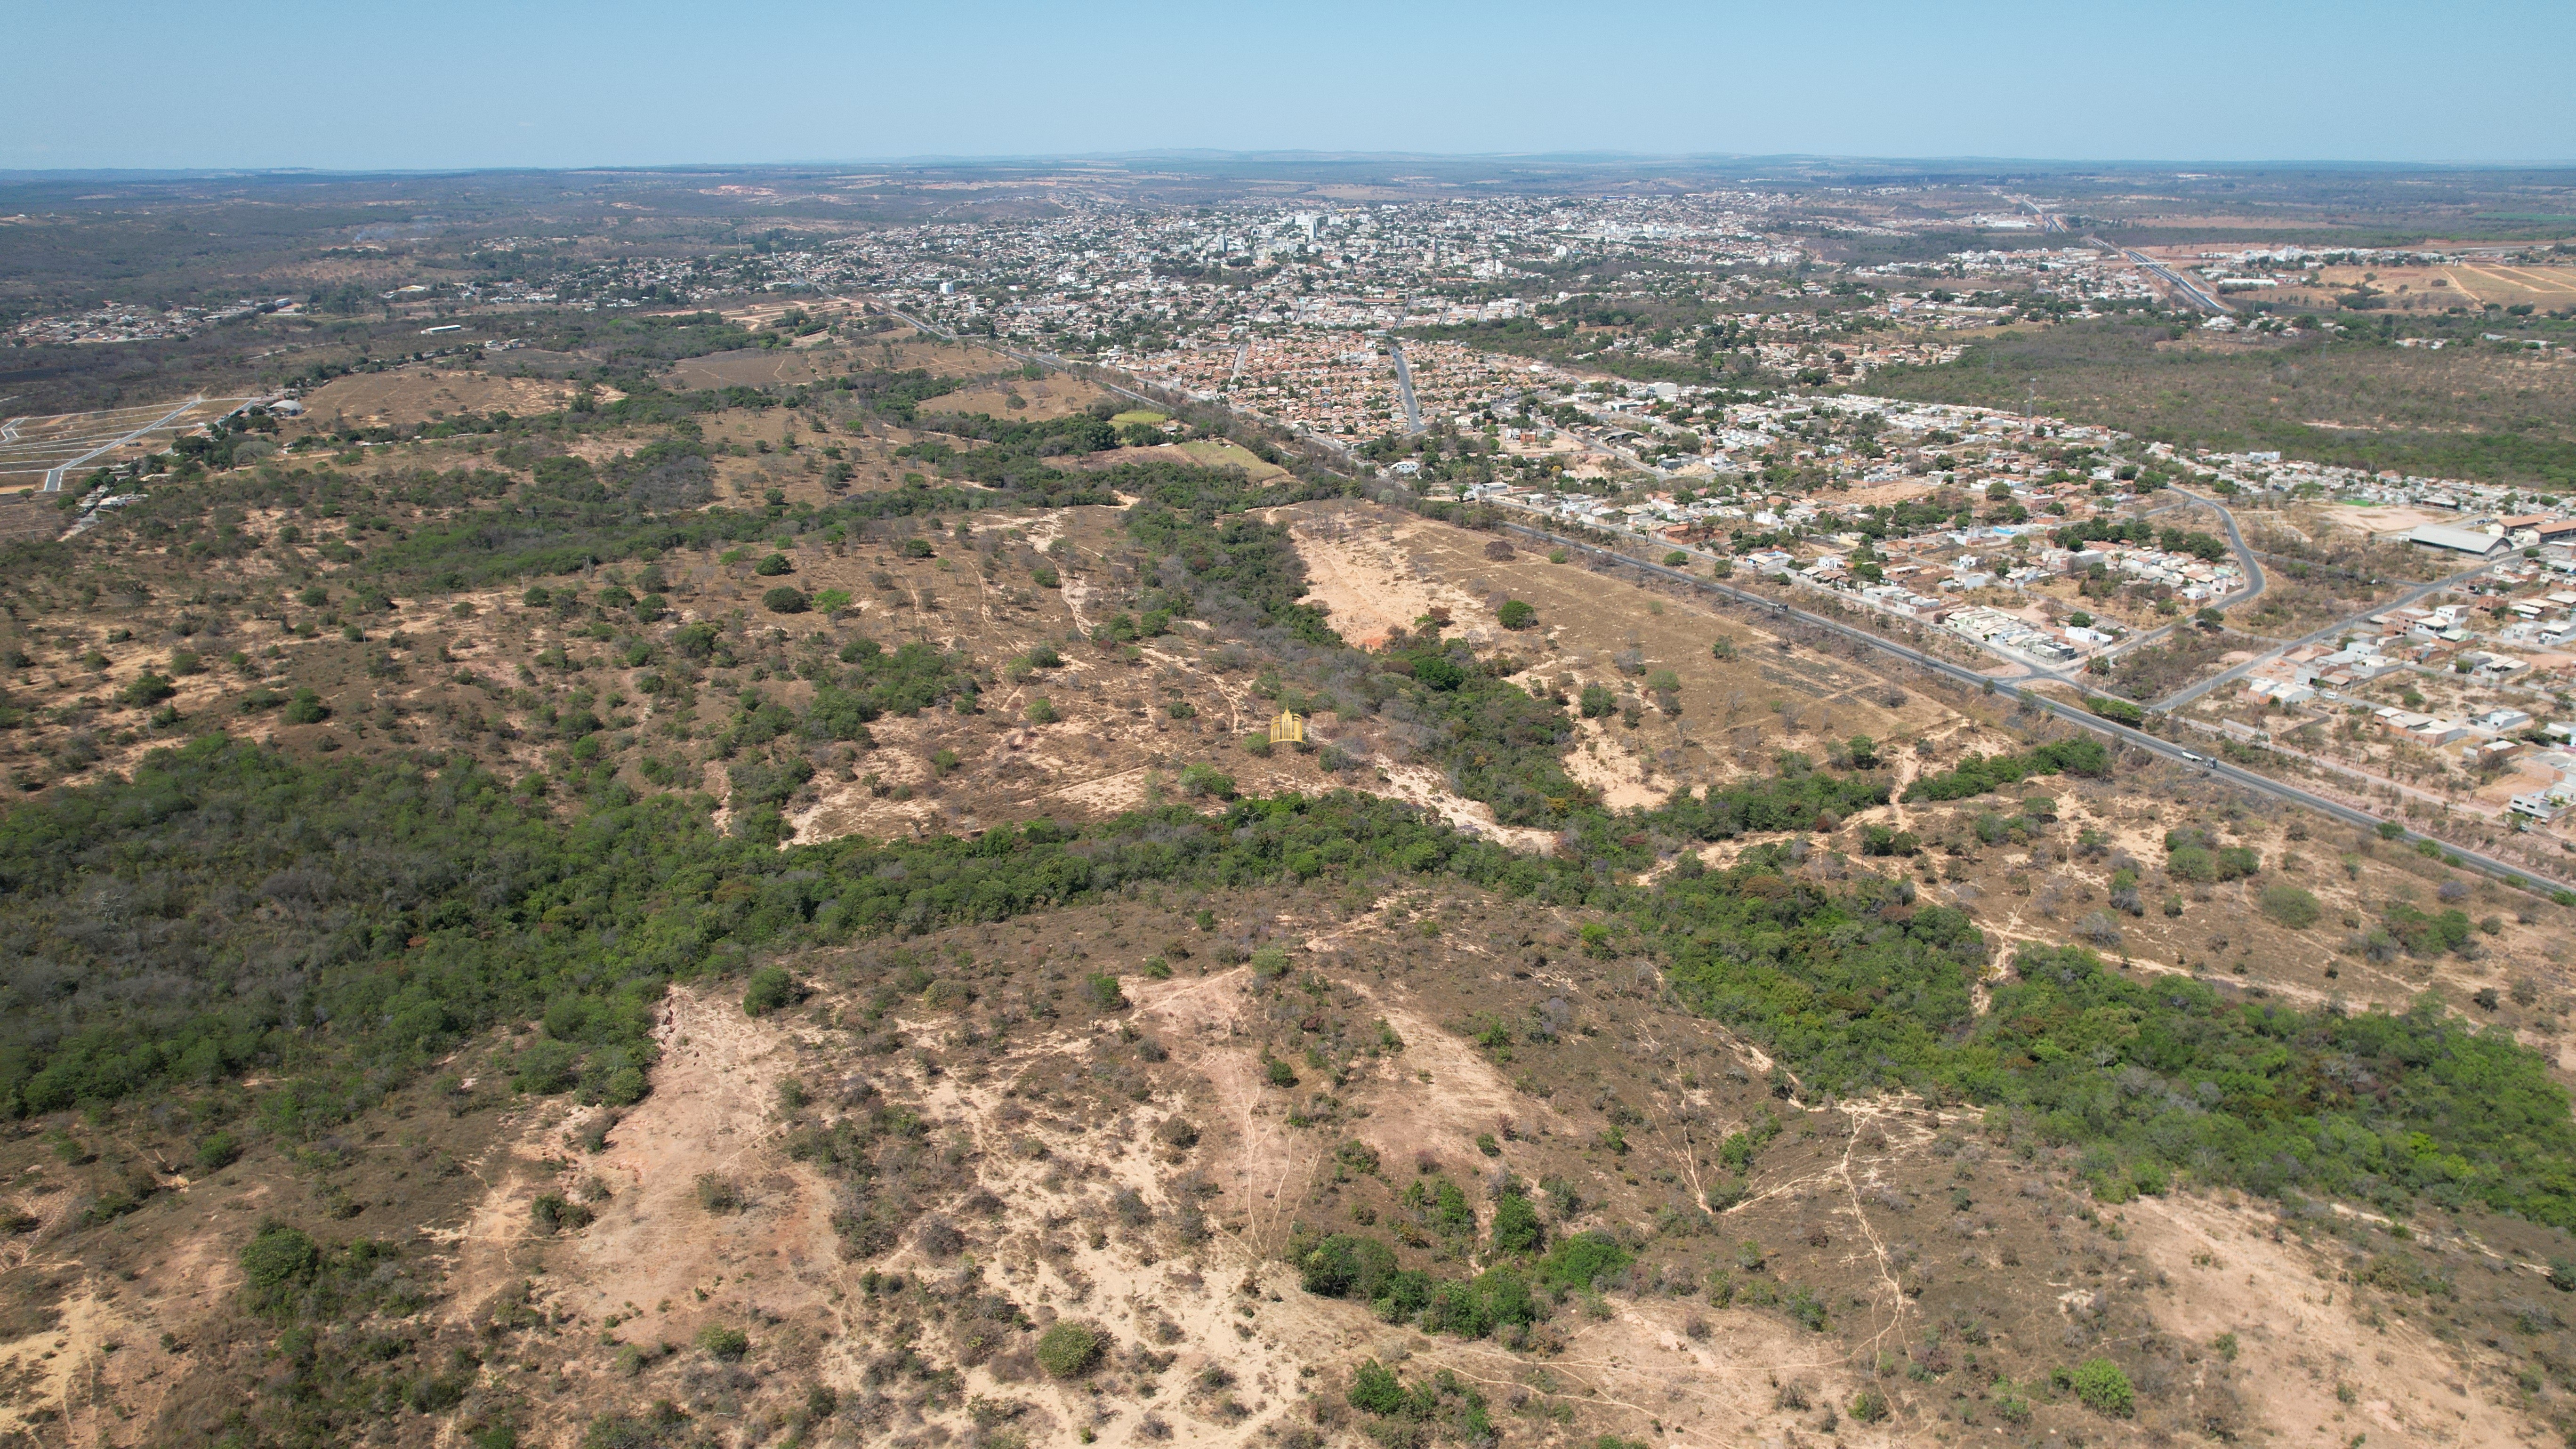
(1280, 1073)
(1376, 1390)
(727, 1344)
(1880, 840)
(1978, 774)
(2100, 928)
(1515, 614)
(217, 1153)
(2103, 1388)
(1438, 671)
(1869, 1406)
(785, 599)
(1103, 990)
(773, 565)
(553, 1213)
(1204, 779)
(1070, 1349)
(306, 708)
(772, 988)
(2194, 856)
(1347, 1265)
(278, 1259)
(148, 688)
(1578, 1261)
(1516, 1225)
(2290, 906)
(915, 548)
(717, 1194)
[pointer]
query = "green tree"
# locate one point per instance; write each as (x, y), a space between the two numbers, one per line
(1516, 1225)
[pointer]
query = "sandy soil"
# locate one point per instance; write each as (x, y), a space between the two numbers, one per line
(2301, 1336)
(1424, 786)
(1366, 579)
(1601, 760)
(2382, 521)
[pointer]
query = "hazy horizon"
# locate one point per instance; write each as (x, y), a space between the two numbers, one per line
(492, 87)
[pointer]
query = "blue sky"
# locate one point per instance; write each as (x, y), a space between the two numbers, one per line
(363, 84)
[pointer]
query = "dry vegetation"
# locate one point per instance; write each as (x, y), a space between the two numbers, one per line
(863, 1196)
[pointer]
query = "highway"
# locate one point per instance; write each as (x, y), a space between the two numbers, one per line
(1404, 386)
(2162, 748)
(2205, 301)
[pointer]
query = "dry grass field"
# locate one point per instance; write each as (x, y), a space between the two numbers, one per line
(411, 396)
(1053, 396)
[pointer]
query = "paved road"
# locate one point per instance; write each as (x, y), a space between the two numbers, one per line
(1404, 386)
(2190, 289)
(2162, 748)
(54, 479)
(2230, 676)
(2256, 582)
